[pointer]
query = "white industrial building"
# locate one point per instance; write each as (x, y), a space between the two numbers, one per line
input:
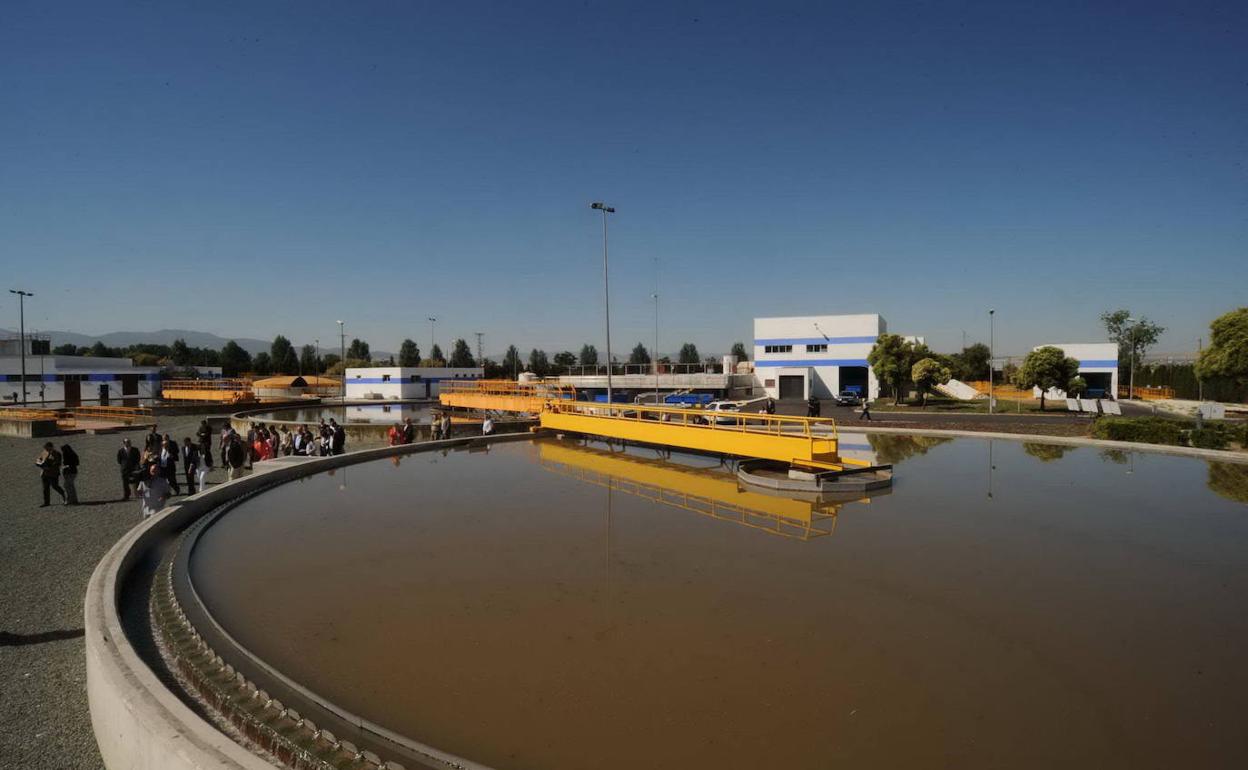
(403, 382)
(56, 381)
(1098, 366)
(820, 356)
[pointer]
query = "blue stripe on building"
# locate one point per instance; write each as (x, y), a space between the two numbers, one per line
(813, 362)
(817, 341)
(401, 381)
(1099, 364)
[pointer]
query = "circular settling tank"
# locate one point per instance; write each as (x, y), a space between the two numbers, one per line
(351, 414)
(561, 606)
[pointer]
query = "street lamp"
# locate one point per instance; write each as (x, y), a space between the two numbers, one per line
(432, 323)
(21, 310)
(606, 289)
(656, 331)
(991, 344)
(1134, 322)
(342, 342)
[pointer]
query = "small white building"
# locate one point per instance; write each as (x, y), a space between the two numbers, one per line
(403, 382)
(1098, 366)
(55, 381)
(820, 356)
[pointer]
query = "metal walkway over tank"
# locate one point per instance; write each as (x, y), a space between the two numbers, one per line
(502, 395)
(804, 442)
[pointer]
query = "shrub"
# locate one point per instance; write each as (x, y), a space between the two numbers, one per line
(1147, 430)
(1209, 437)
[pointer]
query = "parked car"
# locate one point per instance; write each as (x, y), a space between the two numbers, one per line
(848, 398)
(723, 406)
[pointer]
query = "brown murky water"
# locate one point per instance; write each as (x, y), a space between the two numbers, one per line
(544, 606)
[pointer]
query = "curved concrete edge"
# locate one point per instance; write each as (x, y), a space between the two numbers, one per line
(1220, 455)
(139, 723)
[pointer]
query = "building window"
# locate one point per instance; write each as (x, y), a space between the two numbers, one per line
(777, 348)
(823, 348)
(769, 383)
(385, 378)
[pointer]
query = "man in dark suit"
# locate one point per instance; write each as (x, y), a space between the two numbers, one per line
(152, 441)
(409, 431)
(190, 463)
(167, 459)
(128, 463)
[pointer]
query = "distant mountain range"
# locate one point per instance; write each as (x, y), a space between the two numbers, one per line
(163, 337)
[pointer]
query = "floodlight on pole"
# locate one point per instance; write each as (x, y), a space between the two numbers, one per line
(606, 287)
(21, 311)
(342, 341)
(432, 323)
(991, 344)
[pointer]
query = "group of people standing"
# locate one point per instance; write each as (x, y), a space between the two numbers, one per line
(265, 443)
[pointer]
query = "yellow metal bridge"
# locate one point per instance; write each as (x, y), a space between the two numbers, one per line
(502, 395)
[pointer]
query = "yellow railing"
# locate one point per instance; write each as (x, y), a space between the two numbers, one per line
(1147, 392)
(801, 441)
(18, 413)
(502, 395)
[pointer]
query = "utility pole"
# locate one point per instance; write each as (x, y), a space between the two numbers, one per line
(21, 310)
(1200, 384)
(432, 322)
(480, 355)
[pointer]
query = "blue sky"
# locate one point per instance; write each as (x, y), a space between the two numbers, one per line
(255, 168)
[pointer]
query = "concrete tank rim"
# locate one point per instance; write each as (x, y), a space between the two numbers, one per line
(139, 722)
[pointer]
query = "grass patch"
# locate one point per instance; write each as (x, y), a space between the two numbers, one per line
(1159, 430)
(978, 406)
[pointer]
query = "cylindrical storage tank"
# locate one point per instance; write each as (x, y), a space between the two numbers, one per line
(730, 364)
(528, 377)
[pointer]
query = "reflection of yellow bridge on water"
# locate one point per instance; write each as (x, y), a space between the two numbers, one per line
(709, 492)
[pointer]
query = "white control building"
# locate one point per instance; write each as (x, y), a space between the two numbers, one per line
(820, 356)
(403, 382)
(1098, 366)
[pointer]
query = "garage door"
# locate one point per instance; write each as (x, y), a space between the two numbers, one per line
(792, 386)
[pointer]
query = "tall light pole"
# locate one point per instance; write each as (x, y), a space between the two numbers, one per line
(991, 344)
(21, 312)
(342, 341)
(1131, 377)
(606, 288)
(656, 331)
(480, 355)
(432, 322)
(317, 361)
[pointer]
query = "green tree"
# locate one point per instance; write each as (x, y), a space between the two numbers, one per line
(1227, 354)
(538, 364)
(972, 363)
(927, 373)
(639, 355)
(282, 354)
(564, 361)
(1132, 336)
(435, 356)
(68, 349)
(100, 350)
(892, 358)
(307, 360)
(358, 349)
(330, 361)
(409, 353)
(738, 350)
(1077, 386)
(234, 359)
(589, 355)
(461, 355)
(1046, 368)
(180, 353)
(512, 365)
(262, 364)
(688, 354)
(491, 370)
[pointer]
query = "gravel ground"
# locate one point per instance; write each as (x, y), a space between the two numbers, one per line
(46, 558)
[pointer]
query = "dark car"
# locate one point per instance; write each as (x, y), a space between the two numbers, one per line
(848, 398)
